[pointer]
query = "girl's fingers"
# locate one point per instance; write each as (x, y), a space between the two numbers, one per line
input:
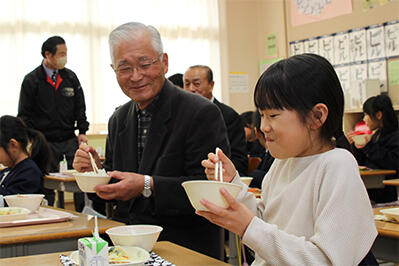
(233, 203)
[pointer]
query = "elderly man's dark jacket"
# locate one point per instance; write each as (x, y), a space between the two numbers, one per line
(184, 129)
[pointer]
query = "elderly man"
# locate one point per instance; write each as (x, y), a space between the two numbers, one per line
(199, 79)
(158, 139)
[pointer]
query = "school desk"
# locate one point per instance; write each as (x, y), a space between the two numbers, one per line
(169, 251)
(386, 245)
(392, 182)
(61, 183)
(373, 178)
(52, 237)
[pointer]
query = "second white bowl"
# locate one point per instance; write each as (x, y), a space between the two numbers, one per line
(140, 235)
(28, 201)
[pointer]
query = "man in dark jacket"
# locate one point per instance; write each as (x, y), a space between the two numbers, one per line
(199, 79)
(158, 139)
(52, 101)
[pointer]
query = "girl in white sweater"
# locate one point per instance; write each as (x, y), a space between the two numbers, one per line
(314, 208)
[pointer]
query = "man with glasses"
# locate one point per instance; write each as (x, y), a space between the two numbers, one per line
(155, 142)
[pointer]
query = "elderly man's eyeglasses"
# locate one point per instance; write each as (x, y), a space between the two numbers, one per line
(141, 67)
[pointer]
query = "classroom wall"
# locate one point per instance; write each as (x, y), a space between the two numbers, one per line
(246, 24)
(359, 17)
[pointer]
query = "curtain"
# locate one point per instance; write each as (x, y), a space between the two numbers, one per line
(189, 30)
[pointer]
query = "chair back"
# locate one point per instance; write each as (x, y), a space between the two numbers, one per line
(253, 162)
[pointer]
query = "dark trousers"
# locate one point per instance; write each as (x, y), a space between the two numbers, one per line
(59, 149)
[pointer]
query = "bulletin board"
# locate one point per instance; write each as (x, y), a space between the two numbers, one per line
(358, 15)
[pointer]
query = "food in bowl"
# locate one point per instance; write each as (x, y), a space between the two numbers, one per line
(143, 236)
(29, 201)
(13, 213)
(209, 190)
(392, 213)
(246, 180)
(88, 180)
(118, 255)
(361, 139)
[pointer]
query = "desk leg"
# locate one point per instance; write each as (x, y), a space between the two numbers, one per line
(386, 248)
(60, 199)
(233, 256)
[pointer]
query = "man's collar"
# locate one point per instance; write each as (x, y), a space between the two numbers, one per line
(48, 70)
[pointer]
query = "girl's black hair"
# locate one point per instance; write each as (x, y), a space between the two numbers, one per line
(14, 128)
(382, 103)
(299, 83)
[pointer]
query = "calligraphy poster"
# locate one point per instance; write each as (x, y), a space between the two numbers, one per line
(392, 39)
(308, 11)
(312, 46)
(375, 42)
(344, 75)
(378, 70)
(357, 45)
(296, 48)
(357, 89)
(341, 48)
(326, 47)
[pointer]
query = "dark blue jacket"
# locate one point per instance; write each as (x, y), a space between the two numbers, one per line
(382, 152)
(24, 178)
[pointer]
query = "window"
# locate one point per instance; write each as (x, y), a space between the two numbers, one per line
(189, 30)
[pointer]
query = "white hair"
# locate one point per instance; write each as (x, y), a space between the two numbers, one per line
(131, 31)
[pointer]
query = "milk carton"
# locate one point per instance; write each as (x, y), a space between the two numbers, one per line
(93, 251)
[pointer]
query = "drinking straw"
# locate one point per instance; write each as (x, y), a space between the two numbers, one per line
(96, 235)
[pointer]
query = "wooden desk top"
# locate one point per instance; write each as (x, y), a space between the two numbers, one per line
(391, 182)
(370, 172)
(386, 228)
(81, 226)
(173, 253)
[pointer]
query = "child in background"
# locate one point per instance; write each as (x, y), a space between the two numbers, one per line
(267, 160)
(25, 153)
(314, 208)
(254, 147)
(381, 151)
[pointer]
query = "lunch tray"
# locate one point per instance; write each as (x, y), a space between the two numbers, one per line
(43, 216)
(154, 260)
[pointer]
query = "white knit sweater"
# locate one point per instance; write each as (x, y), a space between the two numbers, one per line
(314, 210)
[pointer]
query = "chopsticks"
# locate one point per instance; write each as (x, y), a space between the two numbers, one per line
(93, 163)
(218, 168)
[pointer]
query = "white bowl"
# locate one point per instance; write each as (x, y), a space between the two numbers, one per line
(136, 256)
(8, 214)
(361, 139)
(29, 201)
(392, 213)
(88, 180)
(140, 235)
(209, 190)
(246, 180)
